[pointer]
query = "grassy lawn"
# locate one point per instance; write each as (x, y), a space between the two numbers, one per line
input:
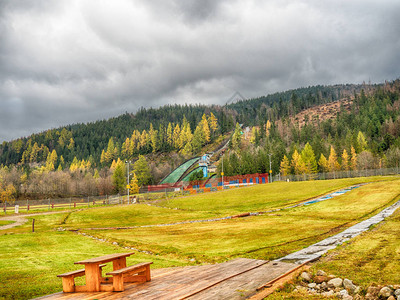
(263, 197)
(210, 205)
(267, 237)
(5, 222)
(36, 258)
(371, 258)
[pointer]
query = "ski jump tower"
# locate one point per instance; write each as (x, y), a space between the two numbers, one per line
(203, 163)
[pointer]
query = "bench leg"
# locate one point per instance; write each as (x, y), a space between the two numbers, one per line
(146, 273)
(68, 284)
(118, 283)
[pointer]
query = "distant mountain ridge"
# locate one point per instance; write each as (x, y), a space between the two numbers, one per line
(87, 141)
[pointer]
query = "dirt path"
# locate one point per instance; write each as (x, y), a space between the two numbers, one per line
(22, 219)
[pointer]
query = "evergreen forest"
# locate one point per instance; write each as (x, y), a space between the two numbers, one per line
(362, 132)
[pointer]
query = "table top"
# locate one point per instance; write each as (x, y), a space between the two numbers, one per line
(103, 259)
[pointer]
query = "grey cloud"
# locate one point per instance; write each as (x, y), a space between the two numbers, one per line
(71, 61)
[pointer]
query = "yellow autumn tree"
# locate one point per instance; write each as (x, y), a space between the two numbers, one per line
(297, 163)
(205, 128)
(285, 166)
(267, 128)
(333, 164)
(323, 163)
(353, 160)
(7, 194)
(134, 184)
(212, 123)
(175, 136)
(345, 160)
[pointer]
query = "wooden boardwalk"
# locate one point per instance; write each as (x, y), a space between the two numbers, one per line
(236, 279)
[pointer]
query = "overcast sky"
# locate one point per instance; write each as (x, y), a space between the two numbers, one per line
(69, 61)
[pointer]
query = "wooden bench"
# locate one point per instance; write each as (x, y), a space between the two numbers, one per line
(68, 279)
(128, 275)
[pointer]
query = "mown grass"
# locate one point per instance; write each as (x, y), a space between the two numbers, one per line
(263, 197)
(2, 222)
(371, 258)
(268, 236)
(210, 205)
(36, 258)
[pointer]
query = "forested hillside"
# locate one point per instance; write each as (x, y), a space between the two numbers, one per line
(364, 134)
(363, 125)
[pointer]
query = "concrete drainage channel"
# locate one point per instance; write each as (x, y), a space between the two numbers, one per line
(315, 251)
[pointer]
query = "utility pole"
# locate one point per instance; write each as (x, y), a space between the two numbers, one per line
(270, 169)
(127, 186)
(222, 172)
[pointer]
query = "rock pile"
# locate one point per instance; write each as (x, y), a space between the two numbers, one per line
(331, 286)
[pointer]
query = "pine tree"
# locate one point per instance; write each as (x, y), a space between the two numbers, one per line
(267, 128)
(153, 138)
(118, 177)
(345, 160)
(333, 164)
(362, 142)
(297, 163)
(285, 166)
(353, 161)
(125, 148)
(206, 129)
(134, 185)
(212, 123)
(51, 160)
(176, 137)
(308, 157)
(71, 144)
(323, 163)
(34, 153)
(142, 171)
(253, 135)
(170, 140)
(236, 137)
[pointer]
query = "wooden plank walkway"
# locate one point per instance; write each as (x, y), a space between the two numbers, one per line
(236, 279)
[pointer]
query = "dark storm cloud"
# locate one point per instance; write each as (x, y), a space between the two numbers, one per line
(76, 61)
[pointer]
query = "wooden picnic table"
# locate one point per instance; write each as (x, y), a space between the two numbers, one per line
(93, 271)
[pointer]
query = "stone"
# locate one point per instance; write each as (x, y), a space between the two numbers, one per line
(391, 298)
(343, 292)
(324, 285)
(320, 278)
(349, 286)
(312, 285)
(312, 291)
(305, 276)
(329, 293)
(321, 273)
(385, 292)
(347, 297)
(357, 290)
(335, 282)
(368, 296)
(397, 292)
(373, 291)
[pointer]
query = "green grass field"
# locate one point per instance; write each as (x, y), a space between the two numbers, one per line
(36, 258)
(5, 222)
